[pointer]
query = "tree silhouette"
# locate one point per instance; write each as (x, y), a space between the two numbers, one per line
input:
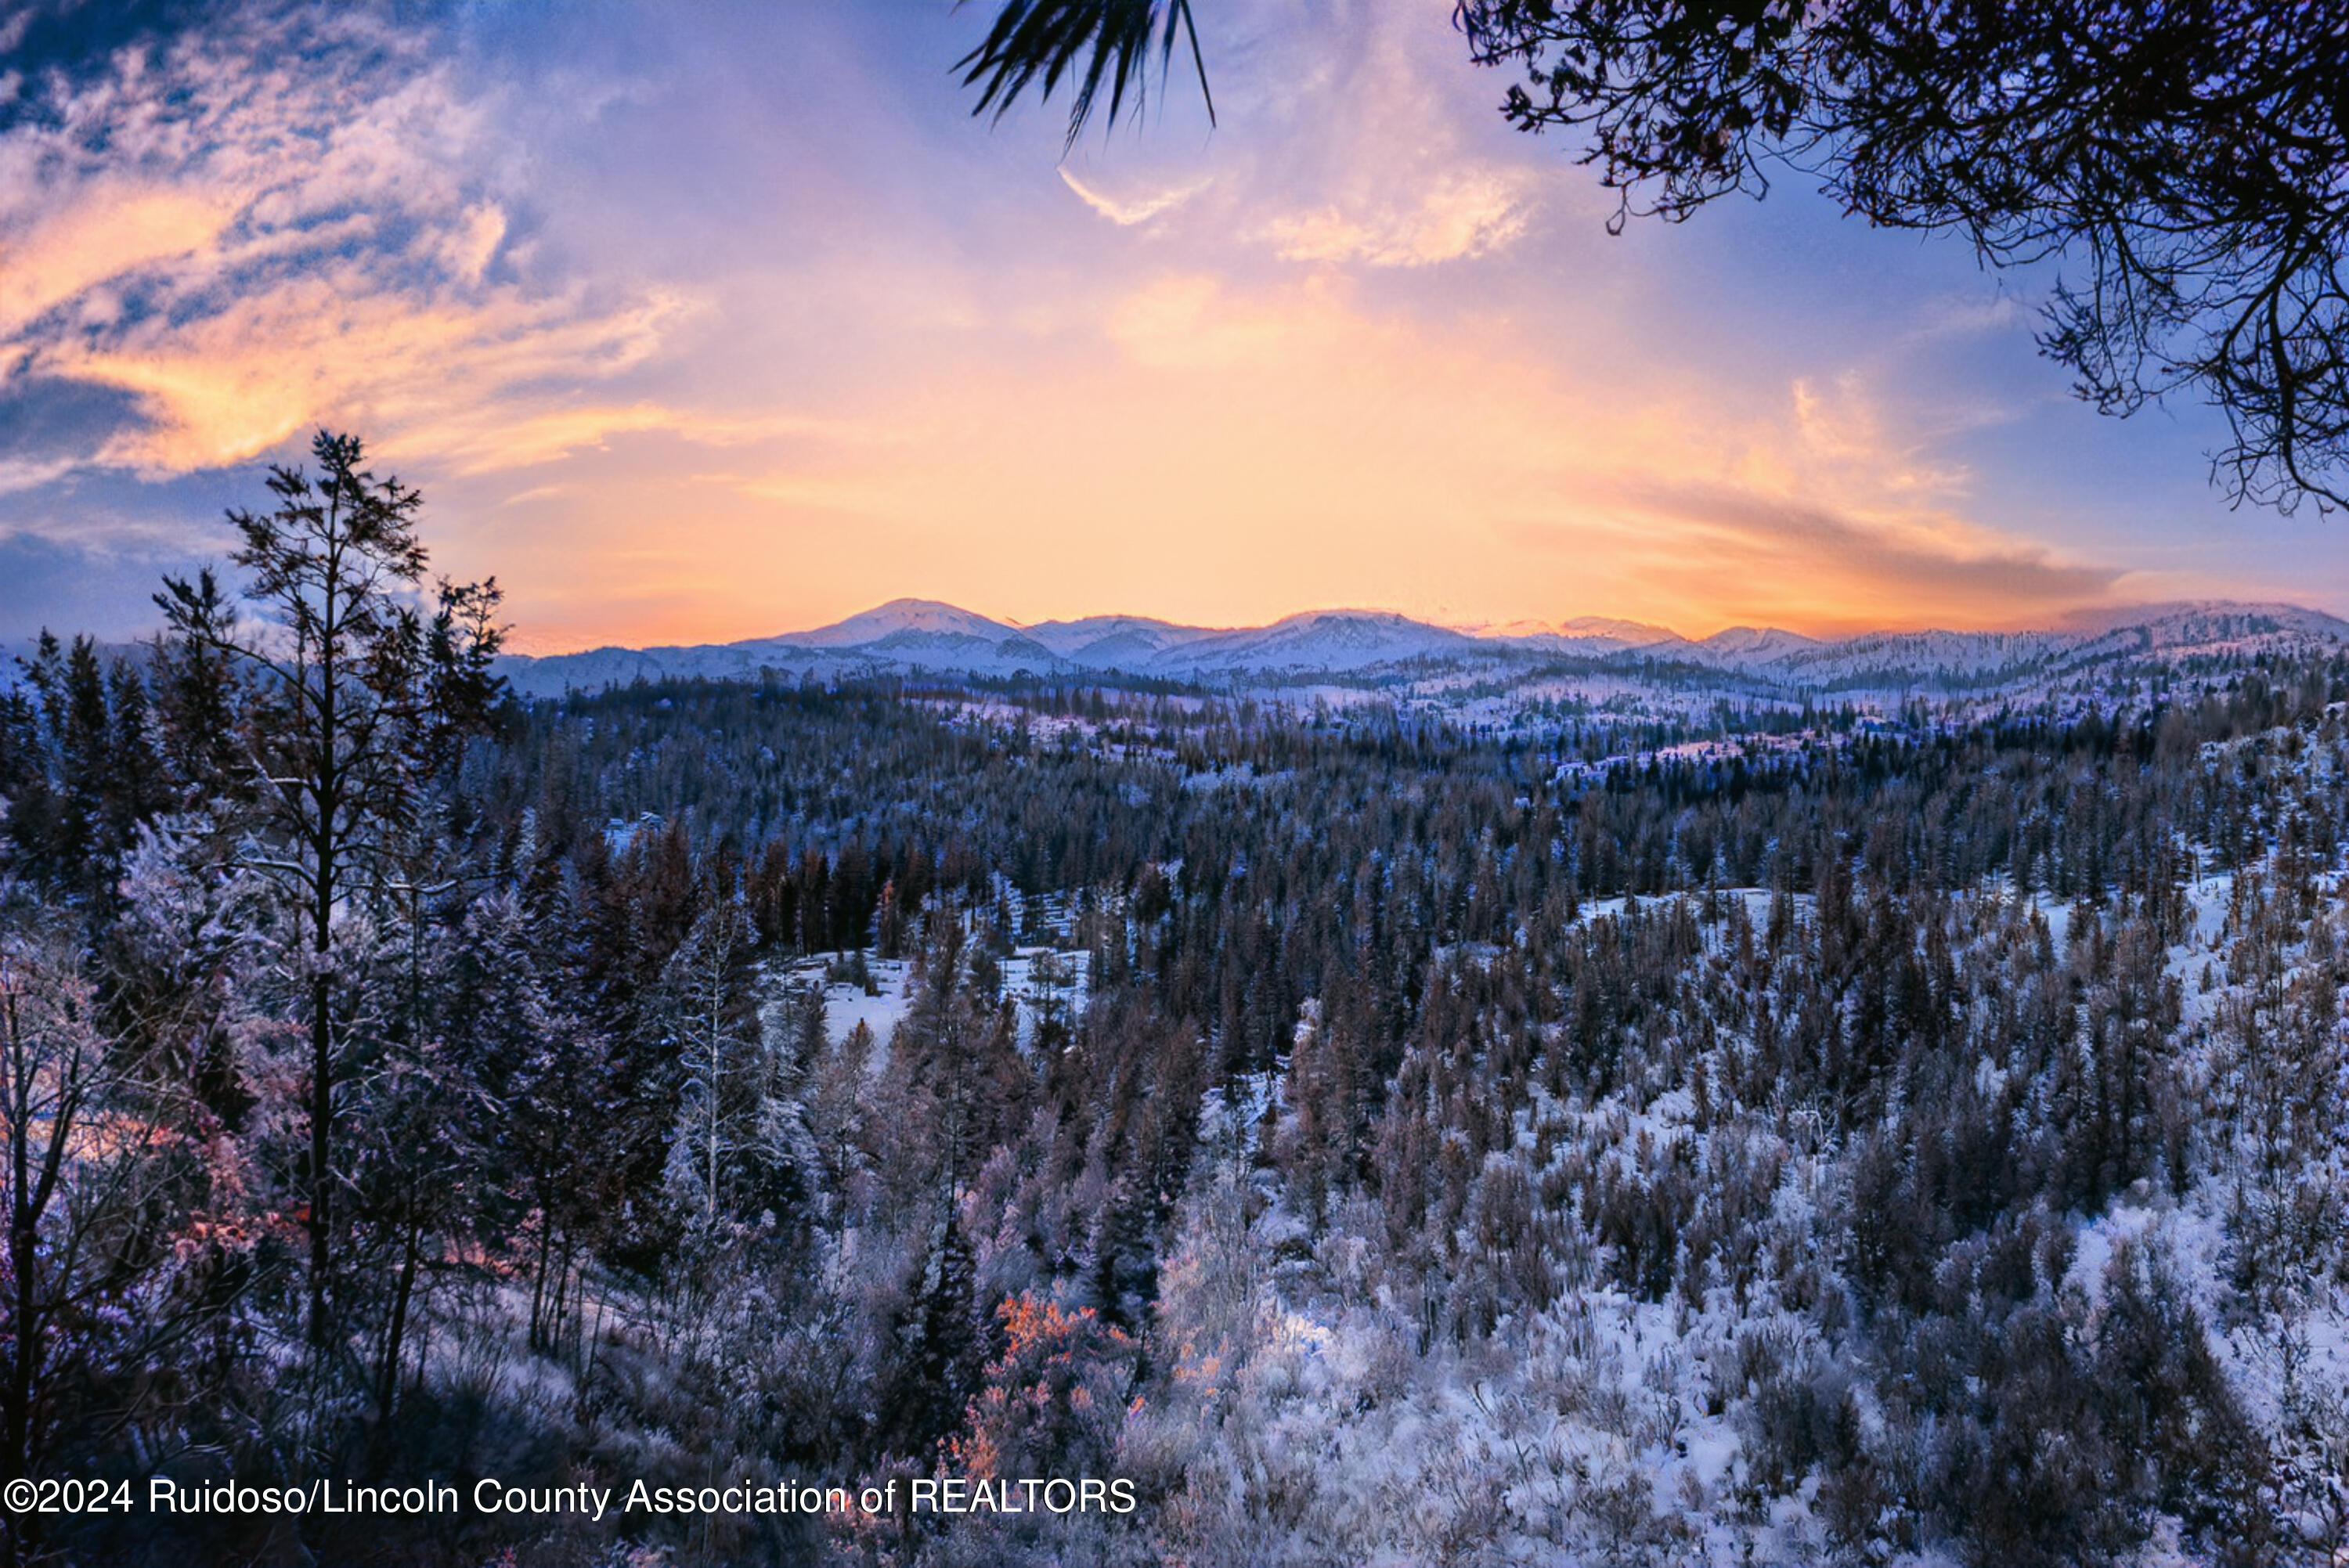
(1050, 37)
(353, 704)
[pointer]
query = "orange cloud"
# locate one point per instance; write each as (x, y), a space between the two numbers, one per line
(1784, 560)
(225, 388)
(114, 227)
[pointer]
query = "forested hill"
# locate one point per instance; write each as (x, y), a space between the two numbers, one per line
(1528, 662)
(1914, 1136)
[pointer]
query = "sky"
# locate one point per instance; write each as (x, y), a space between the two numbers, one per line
(704, 322)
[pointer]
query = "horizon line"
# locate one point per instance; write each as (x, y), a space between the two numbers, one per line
(2087, 619)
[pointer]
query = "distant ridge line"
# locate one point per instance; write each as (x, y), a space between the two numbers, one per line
(909, 636)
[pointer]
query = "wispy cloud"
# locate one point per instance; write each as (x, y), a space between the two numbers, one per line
(1784, 558)
(1380, 167)
(1134, 210)
(1343, 145)
(530, 440)
(109, 229)
(436, 374)
(24, 474)
(1452, 217)
(111, 532)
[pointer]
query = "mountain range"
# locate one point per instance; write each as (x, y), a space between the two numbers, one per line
(923, 637)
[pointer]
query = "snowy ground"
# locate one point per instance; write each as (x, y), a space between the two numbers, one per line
(1034, 978)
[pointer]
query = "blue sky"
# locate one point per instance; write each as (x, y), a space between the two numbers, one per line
(713, 321)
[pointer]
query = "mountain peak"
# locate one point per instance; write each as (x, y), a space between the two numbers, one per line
(929, 617)
(1751, 640)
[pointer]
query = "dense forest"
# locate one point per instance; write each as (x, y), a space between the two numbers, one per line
(1368, 1140)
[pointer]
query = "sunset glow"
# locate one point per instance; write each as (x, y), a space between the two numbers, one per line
(698, 323)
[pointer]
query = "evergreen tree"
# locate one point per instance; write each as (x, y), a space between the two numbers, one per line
(343, 725)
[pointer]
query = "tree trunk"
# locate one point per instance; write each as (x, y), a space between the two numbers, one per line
(562, 1296)
(387, 1380)
(24, 1260)
(322, 1063)
(539, 1333)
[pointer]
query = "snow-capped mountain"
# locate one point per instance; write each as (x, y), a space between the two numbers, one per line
(1324, 641)
(920, 637)
(904, 623)
(1581, 635)
(1315, 640)
(1745, 647)
(1115, 641)
(917, 635)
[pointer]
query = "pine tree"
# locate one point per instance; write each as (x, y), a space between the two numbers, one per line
(705, 1012)
(343, 724)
